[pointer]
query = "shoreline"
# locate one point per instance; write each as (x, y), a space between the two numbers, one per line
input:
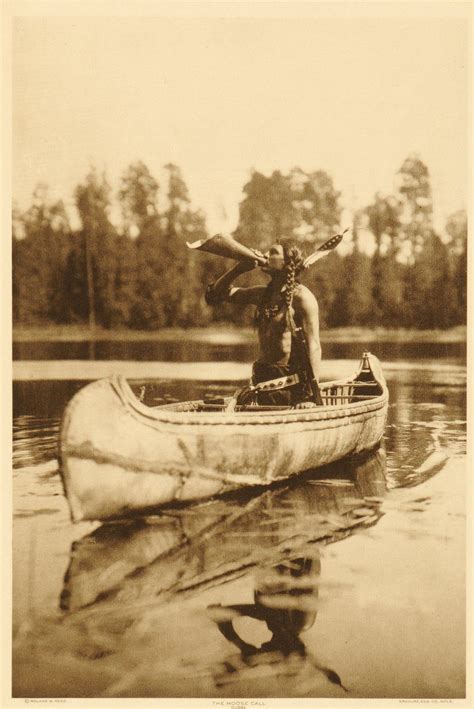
(88, 370)
(226, 334)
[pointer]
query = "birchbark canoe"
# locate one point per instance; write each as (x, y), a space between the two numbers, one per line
(119, 456)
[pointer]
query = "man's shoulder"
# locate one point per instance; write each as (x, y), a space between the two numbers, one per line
(303, 297)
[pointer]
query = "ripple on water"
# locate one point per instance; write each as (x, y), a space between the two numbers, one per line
(35, 442)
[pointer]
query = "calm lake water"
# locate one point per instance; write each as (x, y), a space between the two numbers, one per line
(348, 582)
(200, 351)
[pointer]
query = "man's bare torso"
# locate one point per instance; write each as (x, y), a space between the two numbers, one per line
(272, 318)
(274, 334)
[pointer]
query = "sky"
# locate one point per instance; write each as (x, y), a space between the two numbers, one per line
(222, 96)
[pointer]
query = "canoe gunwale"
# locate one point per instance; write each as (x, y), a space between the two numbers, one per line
(166, 415)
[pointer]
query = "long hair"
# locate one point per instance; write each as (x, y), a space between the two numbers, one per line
(294, 260)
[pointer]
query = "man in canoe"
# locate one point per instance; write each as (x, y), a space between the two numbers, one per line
(283, 306)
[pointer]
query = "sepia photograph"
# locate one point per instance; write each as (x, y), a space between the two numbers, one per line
(236, 292)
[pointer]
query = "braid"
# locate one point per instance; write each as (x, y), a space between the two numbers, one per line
(293, 260)
(290, 276)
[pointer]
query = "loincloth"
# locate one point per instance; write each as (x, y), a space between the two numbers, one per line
(263, 372)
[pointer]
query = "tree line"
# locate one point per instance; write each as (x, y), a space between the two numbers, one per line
(141, 275)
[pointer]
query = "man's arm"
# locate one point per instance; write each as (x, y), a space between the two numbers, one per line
(307, 313)
(223, 290)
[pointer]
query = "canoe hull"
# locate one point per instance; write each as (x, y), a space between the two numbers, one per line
(119, 456)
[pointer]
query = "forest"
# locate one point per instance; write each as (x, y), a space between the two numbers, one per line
(139, 273)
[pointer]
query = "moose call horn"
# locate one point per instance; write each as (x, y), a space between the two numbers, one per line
(226, 246)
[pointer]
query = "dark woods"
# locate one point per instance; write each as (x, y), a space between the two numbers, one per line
(141, 275)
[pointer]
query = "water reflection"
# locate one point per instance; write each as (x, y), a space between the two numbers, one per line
(286, 604)
(424, 422)
(179, 551)
(140, 351)
(35, 440)
(124, 580)
(185, 350)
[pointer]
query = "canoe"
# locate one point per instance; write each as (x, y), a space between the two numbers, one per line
(121, 457)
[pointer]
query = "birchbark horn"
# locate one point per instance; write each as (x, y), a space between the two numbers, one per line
(226, 246)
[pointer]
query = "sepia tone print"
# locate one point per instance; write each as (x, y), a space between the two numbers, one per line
(239, 317)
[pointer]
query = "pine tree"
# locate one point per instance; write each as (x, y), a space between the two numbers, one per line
(185, 300)
(354, 303)
(414, 191)
(321, 210)
(324, 279)
(169, 288)
(456, 229)
(138, 198)
(40, 245)
(383, 220)
(304, 205)
(267, 213)
(94, 266)
(433, 296)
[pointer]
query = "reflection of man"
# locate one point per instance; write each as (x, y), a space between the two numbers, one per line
(285, 621)
(286, 603)
(281, 305)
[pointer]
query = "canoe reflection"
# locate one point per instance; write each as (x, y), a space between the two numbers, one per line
(185, 551)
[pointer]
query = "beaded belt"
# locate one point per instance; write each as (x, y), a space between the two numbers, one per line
(279, 383)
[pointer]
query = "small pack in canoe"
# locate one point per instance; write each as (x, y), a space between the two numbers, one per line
(119, 456)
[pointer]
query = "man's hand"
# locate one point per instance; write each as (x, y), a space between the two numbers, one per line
(249, 265)
(306, 405)
(244, 266)
(260, 257)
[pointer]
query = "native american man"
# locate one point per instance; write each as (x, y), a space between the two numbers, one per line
(281, 305)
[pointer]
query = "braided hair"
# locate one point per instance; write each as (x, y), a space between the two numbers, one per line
(294, 260)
